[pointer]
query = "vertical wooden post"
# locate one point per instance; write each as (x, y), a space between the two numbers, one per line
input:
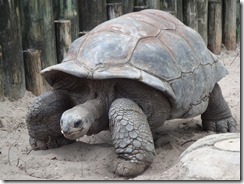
(12, 56)
(67, 10)
(190, 13)
(153, 4)
(38, 29)
(215, 25)
(202, 8)
(63, 38)
(238, 21)
(1, 75)
(114, 10)
(174, 7)
(128, 6)
(34, 81)
(140, 5)
(179, 5)
(229, 27)
(91, 13)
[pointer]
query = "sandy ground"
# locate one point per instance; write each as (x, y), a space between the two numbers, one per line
(89, 158)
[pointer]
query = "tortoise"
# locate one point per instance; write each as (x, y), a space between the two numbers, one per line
(129, 75)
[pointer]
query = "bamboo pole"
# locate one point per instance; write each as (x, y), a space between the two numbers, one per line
(229, 27)
(215, 25)
(13, 76)
(34, 81)
(63, 38)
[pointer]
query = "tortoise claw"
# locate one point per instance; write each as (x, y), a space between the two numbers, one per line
(222, 126)
(49, 144)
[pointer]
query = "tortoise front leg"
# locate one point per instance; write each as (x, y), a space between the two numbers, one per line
(43, 120)
(131, 137)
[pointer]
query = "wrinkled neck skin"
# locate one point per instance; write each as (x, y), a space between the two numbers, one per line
(101, 97)
(91, 98)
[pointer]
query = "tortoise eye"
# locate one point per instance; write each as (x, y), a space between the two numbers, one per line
(77, 123)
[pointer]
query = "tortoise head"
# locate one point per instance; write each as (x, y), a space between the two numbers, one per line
(76, 122)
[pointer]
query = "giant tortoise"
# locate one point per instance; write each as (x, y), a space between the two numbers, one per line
(130, 75)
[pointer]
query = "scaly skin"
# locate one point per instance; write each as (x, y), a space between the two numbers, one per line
(218, 116)
(87, 118)
(43, 120)
(131, 137)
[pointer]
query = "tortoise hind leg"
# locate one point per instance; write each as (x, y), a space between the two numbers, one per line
(43, 120)
(218, 116)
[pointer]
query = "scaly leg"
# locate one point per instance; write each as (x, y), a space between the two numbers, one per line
(43, 120)
(218, 116)
(132, 138)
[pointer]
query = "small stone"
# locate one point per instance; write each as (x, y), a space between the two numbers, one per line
(133, 134)
(129, 127)
(136, 143)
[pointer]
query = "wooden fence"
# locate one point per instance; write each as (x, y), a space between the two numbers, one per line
(36, 34)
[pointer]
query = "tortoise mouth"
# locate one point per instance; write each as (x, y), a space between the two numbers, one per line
(74, 134)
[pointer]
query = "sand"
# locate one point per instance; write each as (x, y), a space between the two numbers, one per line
(90, 157)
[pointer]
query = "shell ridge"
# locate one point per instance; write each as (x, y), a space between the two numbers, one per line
(87, 35)
(155, 26)
(113, 31)
(147, 72)
(191, 72)
(187, 42)
(167, 48)
(146, 12)
(138, 41)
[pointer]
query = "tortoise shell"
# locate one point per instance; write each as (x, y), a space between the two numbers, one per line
(150, 46)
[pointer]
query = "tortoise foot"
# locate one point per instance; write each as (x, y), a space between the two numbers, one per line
(222, 126)
(50, 143)
(128, 168)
